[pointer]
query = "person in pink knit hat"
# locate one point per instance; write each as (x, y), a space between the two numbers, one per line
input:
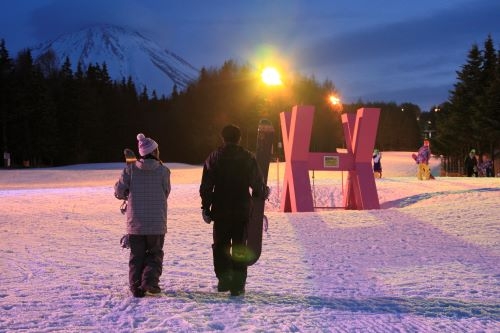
(146, 186)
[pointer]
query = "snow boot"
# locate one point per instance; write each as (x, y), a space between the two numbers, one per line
(138, 292)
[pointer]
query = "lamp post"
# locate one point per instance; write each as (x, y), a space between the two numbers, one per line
(428, 129)
(334, 99)
(271, 77)
(335, 102)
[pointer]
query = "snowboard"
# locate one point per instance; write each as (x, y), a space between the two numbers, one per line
(129, 159)
(265, 138)
(423, 172)
(129, 156)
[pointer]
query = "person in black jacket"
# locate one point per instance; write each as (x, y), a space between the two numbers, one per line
(470, 164)
(228, 174)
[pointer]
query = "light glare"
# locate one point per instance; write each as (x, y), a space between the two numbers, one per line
(271, 76)
(334, 100)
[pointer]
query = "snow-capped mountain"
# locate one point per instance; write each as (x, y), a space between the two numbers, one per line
(126, 53)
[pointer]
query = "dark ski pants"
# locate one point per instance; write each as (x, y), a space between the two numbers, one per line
(146, 261)
(229, 240)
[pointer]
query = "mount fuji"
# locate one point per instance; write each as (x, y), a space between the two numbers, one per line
(126, 53)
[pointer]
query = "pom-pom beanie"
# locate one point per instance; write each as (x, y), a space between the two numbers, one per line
(146, 145)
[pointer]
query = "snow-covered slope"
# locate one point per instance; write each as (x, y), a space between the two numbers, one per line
(428, 261)
(126, 53)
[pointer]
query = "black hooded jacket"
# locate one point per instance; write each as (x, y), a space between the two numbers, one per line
(228, 174)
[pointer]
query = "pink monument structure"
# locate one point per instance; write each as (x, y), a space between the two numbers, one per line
(360, 131)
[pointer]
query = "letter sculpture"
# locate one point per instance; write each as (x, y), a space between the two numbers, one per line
(360, 131)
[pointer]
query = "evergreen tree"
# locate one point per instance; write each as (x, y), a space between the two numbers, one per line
(97, 87)
(456, 130)
(66, 98)
(47, 63)
(486, 114)
(66, 71)
(490, 121)
(408, 130)
(471, 117)
(35, 115)
(144, 95)
(6, 104)
(398, 127)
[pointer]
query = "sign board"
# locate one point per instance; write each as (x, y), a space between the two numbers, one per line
(330, 161)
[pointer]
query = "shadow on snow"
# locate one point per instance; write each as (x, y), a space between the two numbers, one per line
(428, 307)
(408, 201)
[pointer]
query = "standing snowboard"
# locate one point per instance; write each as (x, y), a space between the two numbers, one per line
(423, 169)
(423, 172)
(129, 159)
(129, 156)
(265, 138)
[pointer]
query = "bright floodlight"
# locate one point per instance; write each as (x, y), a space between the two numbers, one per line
(334, 100)
(271, 76)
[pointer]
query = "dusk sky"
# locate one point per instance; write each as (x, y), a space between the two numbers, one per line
(373, 50)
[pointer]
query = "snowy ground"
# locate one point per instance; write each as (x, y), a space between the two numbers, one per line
(428, 261)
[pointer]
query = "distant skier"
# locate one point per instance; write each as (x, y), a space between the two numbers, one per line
(228, 174)
(486, 166)
(377, 164)
(146, 186)
(470, 164)
(422, 158)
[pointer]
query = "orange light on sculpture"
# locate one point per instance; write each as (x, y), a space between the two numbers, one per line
(271, 76)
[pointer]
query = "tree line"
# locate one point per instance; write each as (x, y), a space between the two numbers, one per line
(56, 116)
(470, 119)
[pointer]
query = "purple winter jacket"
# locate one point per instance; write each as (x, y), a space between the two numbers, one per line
(146, 183)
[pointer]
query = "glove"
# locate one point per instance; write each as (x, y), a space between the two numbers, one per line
(206, 214)
(267, 192)
(262, 193)
(122, 197)
(123, 207)
(125, 242)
